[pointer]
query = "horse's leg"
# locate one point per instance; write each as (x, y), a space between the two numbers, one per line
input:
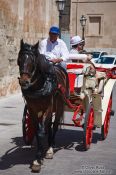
(49, 152)
(41, 144)
(49, 129)
(44, 136)
(40, 137)
(36, 165)
(58, 117)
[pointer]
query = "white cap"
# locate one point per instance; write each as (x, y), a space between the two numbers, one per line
(76, 40)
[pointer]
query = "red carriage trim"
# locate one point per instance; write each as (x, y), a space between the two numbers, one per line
(74, 66)
(101, 69)
(77, 121)
(72, 78)
(109, 72)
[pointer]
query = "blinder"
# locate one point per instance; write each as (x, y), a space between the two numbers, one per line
(27, 63)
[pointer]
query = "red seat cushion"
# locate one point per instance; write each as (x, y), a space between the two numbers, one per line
(74, 66)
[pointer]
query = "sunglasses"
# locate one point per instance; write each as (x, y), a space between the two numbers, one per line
(81, 44)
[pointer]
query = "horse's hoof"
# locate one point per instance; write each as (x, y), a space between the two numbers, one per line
(49, 156)
(49, 153)
(36, 166)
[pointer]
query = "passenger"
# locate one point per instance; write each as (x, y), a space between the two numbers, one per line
(76, 49)
(56, 52)
(77, 44)
(77, 56)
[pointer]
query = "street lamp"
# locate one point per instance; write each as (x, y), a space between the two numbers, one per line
(83, 24)
(60, 5)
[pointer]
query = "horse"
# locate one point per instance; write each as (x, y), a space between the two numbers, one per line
(34, 69)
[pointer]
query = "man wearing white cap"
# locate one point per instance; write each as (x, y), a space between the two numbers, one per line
(77, 47)
(77, 44)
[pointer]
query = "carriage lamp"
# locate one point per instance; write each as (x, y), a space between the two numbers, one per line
(83, 24)
(60, 5)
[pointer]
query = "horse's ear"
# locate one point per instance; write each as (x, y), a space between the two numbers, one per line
(36, 46)
(21, 43)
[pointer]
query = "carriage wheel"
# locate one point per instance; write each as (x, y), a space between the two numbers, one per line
(88, 127)
(27, 127)
(105, 126)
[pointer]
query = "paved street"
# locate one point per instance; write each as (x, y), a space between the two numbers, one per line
(69, 157)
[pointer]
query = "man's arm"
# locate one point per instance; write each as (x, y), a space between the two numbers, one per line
(56, 60)
(42, 47)
(64, 51)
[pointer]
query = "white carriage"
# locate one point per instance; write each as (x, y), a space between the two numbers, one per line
(90, 100)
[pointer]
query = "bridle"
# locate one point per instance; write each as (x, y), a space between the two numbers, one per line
(29, 56)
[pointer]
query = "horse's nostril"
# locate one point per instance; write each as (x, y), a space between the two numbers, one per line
(26, 82)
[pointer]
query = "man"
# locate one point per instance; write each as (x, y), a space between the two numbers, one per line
(76, 52)
(77, 55)
(56, 52)
(77, 44)
(54, 48)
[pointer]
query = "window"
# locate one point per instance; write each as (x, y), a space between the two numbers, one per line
(106, 60)
(103, 54)
(95, 25)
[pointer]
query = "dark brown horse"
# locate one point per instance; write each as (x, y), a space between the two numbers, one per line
(34, 69)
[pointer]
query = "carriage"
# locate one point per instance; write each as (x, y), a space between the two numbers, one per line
(90, 102)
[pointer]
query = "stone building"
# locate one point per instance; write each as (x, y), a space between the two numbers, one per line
(100, 30)
(31, 19)
(27, 19)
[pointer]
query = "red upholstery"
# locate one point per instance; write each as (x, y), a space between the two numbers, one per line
(72, 78)
(74, 66)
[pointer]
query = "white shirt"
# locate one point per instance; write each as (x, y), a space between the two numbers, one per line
(75, 55)
(74, 51)
(58, 49)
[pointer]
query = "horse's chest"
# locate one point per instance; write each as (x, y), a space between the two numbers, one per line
(38, 105)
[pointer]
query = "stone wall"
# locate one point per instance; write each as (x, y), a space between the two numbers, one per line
(27, 19)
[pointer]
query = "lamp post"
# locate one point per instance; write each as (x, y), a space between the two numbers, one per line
(83, 24)
(60, 5)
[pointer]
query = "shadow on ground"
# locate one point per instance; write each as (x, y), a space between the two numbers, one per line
(22, 154)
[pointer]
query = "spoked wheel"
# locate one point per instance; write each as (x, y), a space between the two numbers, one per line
(27, 127)
(88, 127)
(105, 126)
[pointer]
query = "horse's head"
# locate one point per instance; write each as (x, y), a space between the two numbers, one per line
(27, 62)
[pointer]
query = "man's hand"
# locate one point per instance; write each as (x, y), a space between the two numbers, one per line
(56, 60)
(89, 57)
